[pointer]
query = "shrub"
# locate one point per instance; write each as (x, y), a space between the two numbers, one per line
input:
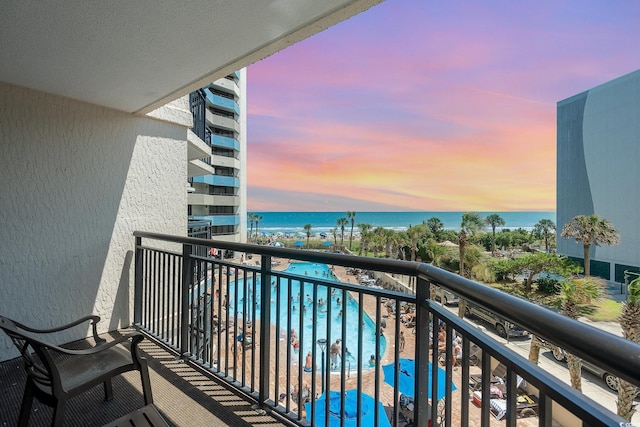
(547, 285)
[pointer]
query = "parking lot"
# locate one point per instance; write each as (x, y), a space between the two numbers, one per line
(592, 386)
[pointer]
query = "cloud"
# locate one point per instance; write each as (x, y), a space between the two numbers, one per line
(428, 106)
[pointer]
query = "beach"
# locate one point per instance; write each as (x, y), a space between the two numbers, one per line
(291, 223)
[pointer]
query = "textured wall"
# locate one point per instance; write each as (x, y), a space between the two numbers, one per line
(77, 180)
(243, 158)
(605, 170)
(573, 192)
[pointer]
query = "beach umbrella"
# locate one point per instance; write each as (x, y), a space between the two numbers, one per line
(299, 243)
(350, 415)
(407, 381)
(327, 243)
(277, 244)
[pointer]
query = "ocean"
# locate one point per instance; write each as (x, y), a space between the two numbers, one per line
(292, 222)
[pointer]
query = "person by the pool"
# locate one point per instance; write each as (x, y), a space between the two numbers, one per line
(335, 352)
(308, 363)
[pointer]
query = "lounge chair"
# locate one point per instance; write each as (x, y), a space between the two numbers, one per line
(57, 373)
(498, 379)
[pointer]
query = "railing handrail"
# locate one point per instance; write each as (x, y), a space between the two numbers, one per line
(377, 264)
(622, 357)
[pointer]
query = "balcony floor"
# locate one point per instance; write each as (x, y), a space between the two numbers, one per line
(183, 396)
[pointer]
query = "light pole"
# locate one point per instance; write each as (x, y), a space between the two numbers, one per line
(323, 344)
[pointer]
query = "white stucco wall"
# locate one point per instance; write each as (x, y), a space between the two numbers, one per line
(598, 166)
(76, 181)
(611, 133)
(242, 210)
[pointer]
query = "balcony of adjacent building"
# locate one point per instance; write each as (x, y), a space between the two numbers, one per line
(229, 85)
(213, 199)
(221, 100)
(221, 119)
(218, 180)
(244, 334)
(199, 155)
(223, 141)
(224, 160)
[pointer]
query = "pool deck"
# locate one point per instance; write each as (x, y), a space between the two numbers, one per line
(386, 392)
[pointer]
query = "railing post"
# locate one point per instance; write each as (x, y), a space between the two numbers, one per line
(137, 283)
(187, 285)
(422, 352)
(265, 328)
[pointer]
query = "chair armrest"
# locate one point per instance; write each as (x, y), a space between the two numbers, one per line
(94, 323)
(135, 338)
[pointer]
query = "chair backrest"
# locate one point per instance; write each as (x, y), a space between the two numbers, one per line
(500, 372)
(37, 360)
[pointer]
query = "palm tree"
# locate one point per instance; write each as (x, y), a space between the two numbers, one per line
(578, 297)
(415, 234)
(494, 220)
(389, 240)
(307, 228)
(334, 231)
(544, 227)
(365, 237)
(342, 222)
(471, 222)
(590, 230)
(400, 241)
(252, 219)
(434, 250)
(435, 225)
(352, 217)
(257, 219)
(630, 322)
(378, 240)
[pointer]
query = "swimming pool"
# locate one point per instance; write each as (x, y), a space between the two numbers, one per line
(299, 304)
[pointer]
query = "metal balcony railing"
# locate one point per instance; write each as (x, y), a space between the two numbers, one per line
(266, 332)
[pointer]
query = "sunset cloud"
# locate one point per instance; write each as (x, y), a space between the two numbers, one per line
(418, 105)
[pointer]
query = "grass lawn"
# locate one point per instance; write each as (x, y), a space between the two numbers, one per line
(608, 311)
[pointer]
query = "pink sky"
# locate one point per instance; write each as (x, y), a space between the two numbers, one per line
(429, 105)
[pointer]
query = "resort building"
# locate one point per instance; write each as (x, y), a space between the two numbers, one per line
(597, 171)
(217, 199)
(96, 142)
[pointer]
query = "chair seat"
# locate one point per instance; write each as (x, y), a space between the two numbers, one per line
(147, 416)
(78, 371)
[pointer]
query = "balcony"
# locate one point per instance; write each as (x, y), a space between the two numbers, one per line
(219, 180)
(228, 84)
(234, 320)
(225, 161)
(214, 120)
(219, 219)
(221, 102)
(212, 199)
(225, 142)
(220, 344)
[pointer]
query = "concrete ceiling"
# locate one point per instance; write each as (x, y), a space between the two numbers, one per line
(137, 55)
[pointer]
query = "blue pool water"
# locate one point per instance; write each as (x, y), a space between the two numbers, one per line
(301, 299)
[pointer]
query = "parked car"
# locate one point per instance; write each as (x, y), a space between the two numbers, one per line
(503, 328)
(610, 380)
(446, 297)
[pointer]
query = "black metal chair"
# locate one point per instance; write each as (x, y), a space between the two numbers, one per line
(57, 373)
